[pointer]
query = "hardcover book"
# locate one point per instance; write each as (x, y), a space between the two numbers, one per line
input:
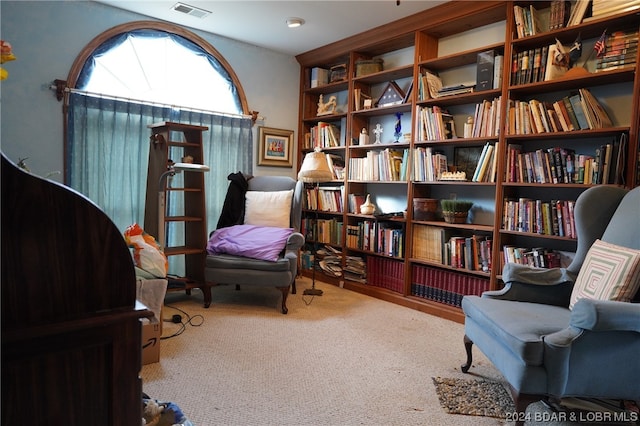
(485, 70)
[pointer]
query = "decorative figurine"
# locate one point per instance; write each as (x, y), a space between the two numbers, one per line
(398, 133)
(364, 137)
(378, 131)
(468, 127)
(327, 108)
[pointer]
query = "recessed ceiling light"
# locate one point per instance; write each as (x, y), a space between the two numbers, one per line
(294, 22)
(190, 10)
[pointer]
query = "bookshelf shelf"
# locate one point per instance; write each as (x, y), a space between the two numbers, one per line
(447, 40)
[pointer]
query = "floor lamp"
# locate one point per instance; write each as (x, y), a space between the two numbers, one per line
(171, 171)
(315, 169)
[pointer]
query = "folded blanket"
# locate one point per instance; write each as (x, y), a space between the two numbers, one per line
(257, 242)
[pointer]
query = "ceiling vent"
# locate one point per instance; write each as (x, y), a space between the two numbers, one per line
(190, 10)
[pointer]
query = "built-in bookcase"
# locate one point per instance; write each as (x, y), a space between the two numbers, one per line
(497, 117)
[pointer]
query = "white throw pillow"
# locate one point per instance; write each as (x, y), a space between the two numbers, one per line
(609, 272)
(264, 208)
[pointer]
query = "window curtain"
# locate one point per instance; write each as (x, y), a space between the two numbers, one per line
(108, 149)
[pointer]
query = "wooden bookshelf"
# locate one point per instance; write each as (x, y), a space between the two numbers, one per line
(447, 40)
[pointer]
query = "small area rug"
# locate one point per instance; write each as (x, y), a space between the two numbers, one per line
(473, 397)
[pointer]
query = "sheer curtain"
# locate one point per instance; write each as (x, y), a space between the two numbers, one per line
(108, 148)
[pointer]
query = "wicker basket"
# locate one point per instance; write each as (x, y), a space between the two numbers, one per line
(425, 208)
(455, 217)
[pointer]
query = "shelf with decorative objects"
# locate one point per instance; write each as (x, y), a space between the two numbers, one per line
(446, 119)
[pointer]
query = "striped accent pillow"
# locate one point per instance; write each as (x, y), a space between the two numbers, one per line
(609, 272)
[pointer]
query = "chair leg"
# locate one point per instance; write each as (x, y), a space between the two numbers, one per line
(206, 292)
(285, 293)
(467, 346)
(293, 287)
(521, 402)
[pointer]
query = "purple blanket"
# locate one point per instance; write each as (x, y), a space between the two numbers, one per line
(257, 242)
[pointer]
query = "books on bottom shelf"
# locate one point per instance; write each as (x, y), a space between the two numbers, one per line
(445, 286)
(385, 273)
(330, 261)
(355, 269)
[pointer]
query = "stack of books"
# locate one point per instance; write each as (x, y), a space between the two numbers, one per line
(604, 8)
(527, 21)
(621, 51)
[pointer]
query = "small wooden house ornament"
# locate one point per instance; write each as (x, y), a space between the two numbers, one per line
(392, 95)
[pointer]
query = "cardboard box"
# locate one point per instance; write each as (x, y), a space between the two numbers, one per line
(151, 294)
(151, 333)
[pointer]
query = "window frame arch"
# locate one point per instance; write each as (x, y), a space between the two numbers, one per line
(89, 49)
(100, 39)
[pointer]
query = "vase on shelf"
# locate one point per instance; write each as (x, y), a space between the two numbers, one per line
(368, 207)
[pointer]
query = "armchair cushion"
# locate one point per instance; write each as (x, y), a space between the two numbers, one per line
(518, 325)
(268, 208)
(256, 242)
(609, 272)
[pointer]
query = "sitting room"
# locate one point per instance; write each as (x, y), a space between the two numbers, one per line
(356, 212)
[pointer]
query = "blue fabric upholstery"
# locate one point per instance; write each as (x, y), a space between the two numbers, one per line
(542, 348)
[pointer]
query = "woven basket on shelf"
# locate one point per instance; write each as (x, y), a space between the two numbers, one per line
(455, 217)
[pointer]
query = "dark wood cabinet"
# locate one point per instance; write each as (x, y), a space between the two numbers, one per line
(71, 330)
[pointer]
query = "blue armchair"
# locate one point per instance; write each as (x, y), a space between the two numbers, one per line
(544, 349)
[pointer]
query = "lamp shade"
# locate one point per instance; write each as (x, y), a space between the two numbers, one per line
(315, 168)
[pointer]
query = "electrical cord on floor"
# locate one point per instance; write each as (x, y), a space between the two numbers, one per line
(194, 321)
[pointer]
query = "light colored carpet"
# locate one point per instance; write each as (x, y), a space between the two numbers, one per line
(339, 359)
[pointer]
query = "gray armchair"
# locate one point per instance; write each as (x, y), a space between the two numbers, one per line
(547, 351)
(246, 271)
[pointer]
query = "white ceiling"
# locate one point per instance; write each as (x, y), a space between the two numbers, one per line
(263, 23)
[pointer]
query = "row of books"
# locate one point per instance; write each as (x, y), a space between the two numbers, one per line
(563, 165)
(576, 111)
(325, 135)
(385, 273)
(578, 12)
(603, 8)
(527, 21)
(377, 237)
(530, 66)
(445, 286)
(385, 166)
(553, 217)
(487, 164)
(538, 257)
(326, 199)
(428, 164)
(559, 14)
(336, 165)
(620, 51)
(435, 123)
(486, 119)
(327, 231)
(440, 245)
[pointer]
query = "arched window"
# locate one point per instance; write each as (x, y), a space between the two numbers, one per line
(138, 74)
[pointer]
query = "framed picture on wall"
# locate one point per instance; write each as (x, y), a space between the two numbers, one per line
(276, 147)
